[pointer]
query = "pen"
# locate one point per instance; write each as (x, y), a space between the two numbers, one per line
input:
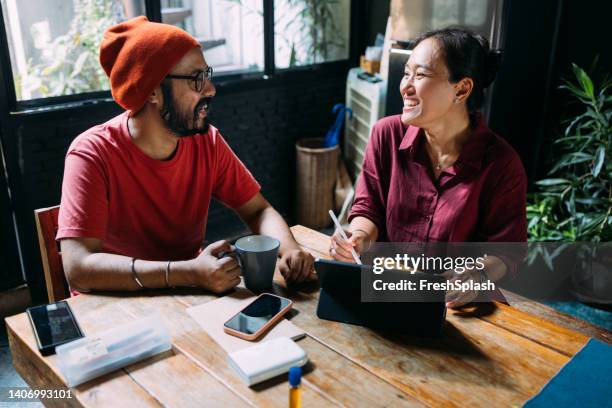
(295, 379)
(337, 223)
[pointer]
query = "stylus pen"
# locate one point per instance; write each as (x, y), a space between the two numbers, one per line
(337, 223)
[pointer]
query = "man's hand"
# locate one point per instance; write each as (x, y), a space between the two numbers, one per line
(297, 266)
(340, 248)
(212, 273)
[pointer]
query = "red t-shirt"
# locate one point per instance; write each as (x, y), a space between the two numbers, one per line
(481, 198)
(142, 207)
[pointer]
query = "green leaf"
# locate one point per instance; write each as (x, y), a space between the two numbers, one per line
(552, 182)
(574, 90)
(600, 155)
(584, 80)
(570, 203)
(564, 193)
(570, 139)
(292, 57)
(559, 250)
(565, 222)
(547, 259)
(590, 201)
(533, 222)
(591, 223)
(571, 159)
(571, 125)
(78, 65)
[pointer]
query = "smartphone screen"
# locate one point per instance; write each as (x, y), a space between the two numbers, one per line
(54, 324)
(253, 317)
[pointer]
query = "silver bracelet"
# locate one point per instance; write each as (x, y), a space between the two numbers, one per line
(168, 274)
(134, 274)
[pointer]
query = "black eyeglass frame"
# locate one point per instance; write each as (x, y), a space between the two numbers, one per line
(199, 78)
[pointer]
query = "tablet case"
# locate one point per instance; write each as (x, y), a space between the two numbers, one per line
(340, 300)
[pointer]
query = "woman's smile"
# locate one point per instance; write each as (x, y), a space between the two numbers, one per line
(410, 103)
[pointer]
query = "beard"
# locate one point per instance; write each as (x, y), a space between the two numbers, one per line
(182, 123)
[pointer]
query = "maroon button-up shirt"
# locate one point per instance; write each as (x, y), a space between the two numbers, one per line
(481, 198)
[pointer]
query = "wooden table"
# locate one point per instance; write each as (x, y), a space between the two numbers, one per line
(492, 355)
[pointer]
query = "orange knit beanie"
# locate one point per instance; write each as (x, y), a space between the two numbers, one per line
(137, 55)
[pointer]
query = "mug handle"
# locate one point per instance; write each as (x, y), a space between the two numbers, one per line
(232, 254)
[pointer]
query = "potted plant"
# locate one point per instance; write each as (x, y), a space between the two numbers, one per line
(574, 204)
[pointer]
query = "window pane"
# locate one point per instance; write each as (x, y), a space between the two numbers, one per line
(470, 13)
(476, 12)
(230, 31)
(445, 13)
(311, 31)
(54, 44)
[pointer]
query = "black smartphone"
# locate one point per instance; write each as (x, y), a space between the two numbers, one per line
(53, 325)
(257, 317)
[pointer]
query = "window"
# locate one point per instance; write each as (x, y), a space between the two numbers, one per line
(470, 13)
(310, 31)
(230, 31)
(53, 44)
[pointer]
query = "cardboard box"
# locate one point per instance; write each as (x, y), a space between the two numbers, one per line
(371, 67)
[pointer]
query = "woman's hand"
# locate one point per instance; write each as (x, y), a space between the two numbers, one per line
(340, 248)
(458, 298)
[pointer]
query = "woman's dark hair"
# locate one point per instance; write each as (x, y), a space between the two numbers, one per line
(467, 55)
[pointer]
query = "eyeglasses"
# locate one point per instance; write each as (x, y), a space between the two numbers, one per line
(198, 79)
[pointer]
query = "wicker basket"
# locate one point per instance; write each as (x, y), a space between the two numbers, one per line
(316, 176)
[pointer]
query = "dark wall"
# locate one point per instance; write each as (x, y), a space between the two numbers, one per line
(376, 14)
(542, 39)
(522, 87)
(10, 272)
(261, 122)
(584, 33)
(262, 126)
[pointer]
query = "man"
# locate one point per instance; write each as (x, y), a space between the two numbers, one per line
(137, 188)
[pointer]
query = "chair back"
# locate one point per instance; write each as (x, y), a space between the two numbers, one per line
(46, 226)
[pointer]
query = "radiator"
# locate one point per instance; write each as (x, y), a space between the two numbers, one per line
(367, 100)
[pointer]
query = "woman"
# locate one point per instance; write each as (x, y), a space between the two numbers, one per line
(437, 173)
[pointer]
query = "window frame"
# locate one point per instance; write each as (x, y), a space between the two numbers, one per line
(270, 76)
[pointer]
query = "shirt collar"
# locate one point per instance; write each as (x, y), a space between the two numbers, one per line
(473, 151)
(408, 142)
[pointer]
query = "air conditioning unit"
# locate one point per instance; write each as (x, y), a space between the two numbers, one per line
(367, 100)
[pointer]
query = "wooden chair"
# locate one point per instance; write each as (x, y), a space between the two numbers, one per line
(46, 225)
